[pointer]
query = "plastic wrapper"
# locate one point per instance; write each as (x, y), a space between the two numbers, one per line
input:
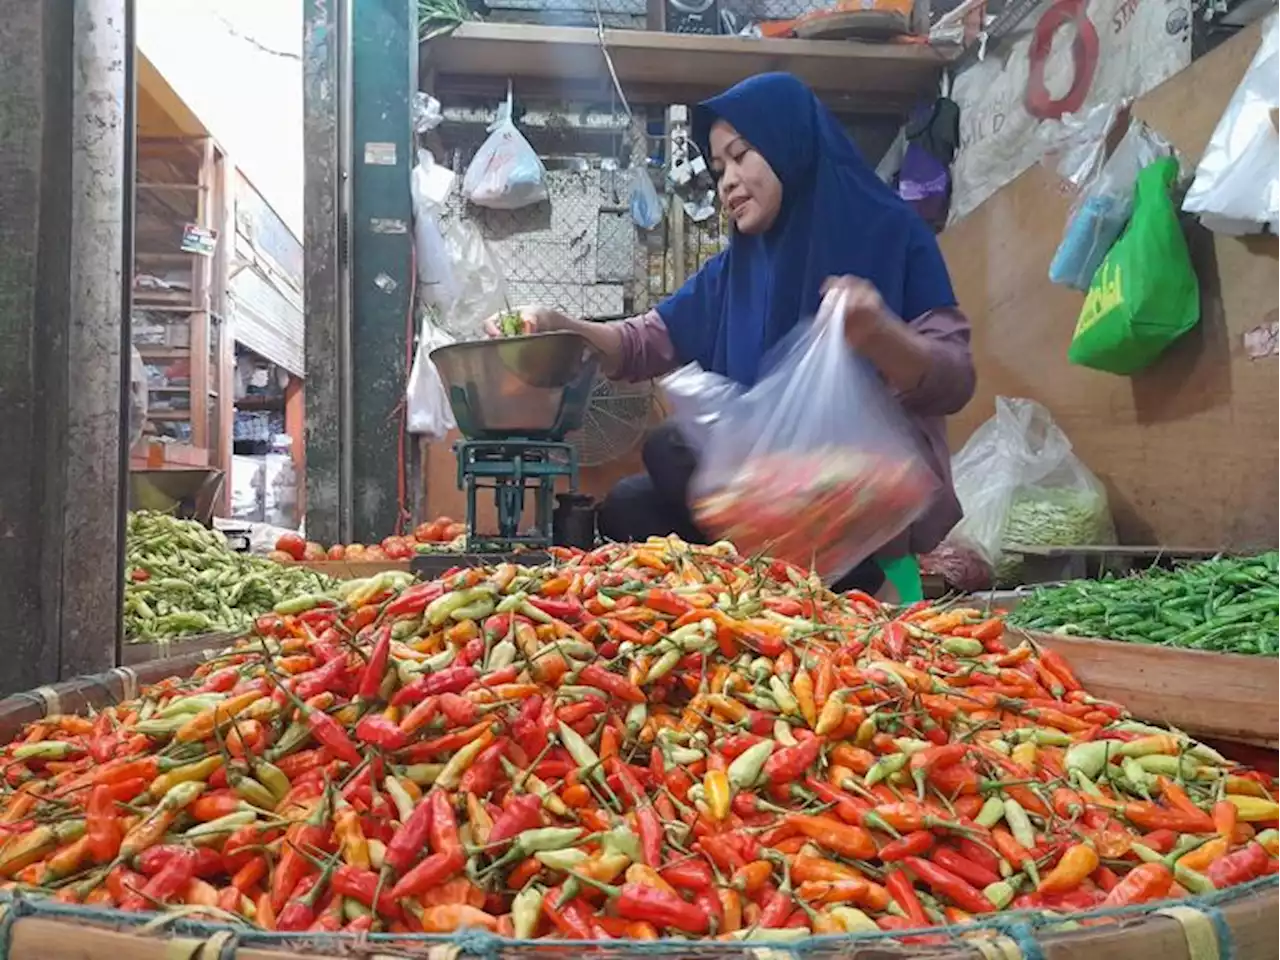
(1237, 184)
(481, 289)
(1105, 207)
(1020, 483)
(1076, 145)
(963, 567)
(505, 173)
(815, 464)
(429, 184)
(429, 413)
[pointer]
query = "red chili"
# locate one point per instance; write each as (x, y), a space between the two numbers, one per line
(791, 763)
(522, 813)
(376, 668)
(361, 886)
(330, 733)
(381, 732)
(964, 868)
(594, 675)
(913, 844)
(452, 680)
(904, 894)
(947, 884)
(430, 873)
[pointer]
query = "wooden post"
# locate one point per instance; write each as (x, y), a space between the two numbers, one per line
(62, 160)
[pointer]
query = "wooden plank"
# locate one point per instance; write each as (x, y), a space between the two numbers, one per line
(678, 68)
(1219, 695)
(1187, 449)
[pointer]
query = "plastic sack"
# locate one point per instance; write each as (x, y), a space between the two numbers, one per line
(1104, 207)
(1020, 483)
(429, 184)
(1145, 295)
(815, 464)
(1237, 184)
(428, 410)
(645, 204)
(505, 173)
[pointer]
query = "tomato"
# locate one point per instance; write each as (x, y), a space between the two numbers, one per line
(293, 545)
(398, 549)
(337, 552)
(356, 551)
(279, 556)
(371, 553)
(454, 531)
(422, 533)
(139, 575)
(314, 551)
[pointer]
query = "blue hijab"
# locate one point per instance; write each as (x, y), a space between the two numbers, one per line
(837, 218)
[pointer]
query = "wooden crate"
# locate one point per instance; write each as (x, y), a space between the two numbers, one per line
(354, 569)
(1222, 696)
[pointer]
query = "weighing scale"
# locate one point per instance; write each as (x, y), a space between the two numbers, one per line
(515, 399)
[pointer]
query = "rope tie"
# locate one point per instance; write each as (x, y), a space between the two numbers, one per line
(49, 700)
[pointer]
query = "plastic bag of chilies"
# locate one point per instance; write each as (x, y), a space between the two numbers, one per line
(786, 470)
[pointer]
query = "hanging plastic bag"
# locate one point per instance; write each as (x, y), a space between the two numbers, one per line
(429, 185)
(1104, 207)
(1237, 184)
(505, 173)
(1075, 147)
(1145, 295)
(646, 205)
(481, 289)
(789, 470)
(429, 413)
(1020, 484)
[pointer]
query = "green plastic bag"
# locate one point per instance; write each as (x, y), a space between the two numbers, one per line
(1145, 295)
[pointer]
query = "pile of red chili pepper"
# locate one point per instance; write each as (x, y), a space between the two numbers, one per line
(642, 741)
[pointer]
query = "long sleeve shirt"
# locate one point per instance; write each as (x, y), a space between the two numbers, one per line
(947, 385)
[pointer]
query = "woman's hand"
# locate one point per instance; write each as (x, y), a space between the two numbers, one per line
(864, 309)
(532, 320)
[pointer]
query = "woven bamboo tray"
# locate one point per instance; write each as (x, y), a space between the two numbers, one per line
(1240, 922)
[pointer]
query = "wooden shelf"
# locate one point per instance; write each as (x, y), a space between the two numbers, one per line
(165, 353)
(566, 62)
(168, 414)
(164, 307)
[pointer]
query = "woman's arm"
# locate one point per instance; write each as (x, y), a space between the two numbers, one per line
(926, 360)
(637, 348)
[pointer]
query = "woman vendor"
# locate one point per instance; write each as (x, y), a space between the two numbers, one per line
(809, 216)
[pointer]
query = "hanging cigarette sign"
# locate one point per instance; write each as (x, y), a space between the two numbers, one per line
(198, 239)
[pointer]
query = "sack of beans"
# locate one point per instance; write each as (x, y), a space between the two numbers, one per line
(816, 463)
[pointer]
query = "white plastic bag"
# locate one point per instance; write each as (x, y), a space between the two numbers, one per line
(505, 173)
(429, 185)
(1076, 146)
(429, 413)
(646, 205)
(1237, 184)
(1020, 483)
(1105, 207)
(481, 289)
(815, 464)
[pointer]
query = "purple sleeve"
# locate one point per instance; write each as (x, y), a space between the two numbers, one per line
(646, 350)
(949, 381)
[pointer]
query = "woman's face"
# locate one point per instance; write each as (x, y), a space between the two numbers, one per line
(749, 189)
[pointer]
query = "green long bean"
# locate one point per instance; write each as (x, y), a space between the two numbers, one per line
(1227, 604)
(182, 579)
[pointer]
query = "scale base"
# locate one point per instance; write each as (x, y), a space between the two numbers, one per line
(509, 468)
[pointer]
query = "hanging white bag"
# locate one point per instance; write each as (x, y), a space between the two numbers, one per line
(429, 413)
(429, 186)
(505, 173)
(1237, 184)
